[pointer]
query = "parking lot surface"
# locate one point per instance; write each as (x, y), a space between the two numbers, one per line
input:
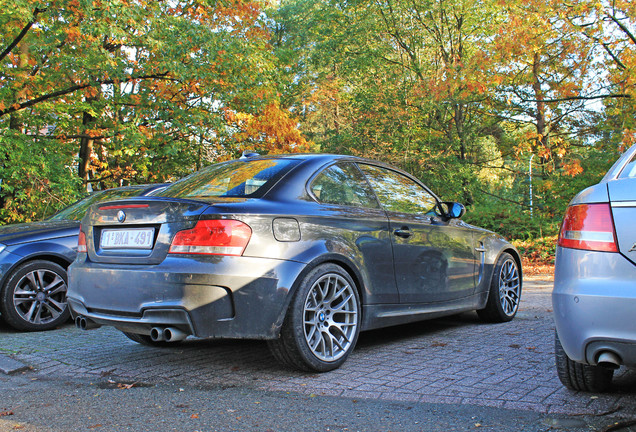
(455, 360)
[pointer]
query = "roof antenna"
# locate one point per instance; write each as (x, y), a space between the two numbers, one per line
(248, 154)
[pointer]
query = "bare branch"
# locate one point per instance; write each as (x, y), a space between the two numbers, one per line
(622, 27)
(578, 98)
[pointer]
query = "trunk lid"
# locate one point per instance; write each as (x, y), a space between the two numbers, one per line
(137, 231)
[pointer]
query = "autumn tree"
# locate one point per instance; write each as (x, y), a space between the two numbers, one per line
(398, 80)
(609, 27)
(464, 94)
(123, 91)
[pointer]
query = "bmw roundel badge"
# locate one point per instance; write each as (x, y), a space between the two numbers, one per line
(121, 216)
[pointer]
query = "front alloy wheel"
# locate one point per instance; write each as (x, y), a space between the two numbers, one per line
(34, 296)
(323, 321)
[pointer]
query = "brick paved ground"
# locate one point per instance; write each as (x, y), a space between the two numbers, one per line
(452, 360)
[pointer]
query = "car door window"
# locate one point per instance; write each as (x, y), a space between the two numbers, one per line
(343, 184)
(399, 193)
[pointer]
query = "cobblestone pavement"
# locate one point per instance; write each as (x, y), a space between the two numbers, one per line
(451, 360)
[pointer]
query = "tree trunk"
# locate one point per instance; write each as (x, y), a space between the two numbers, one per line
(85, 152)
(86, 147)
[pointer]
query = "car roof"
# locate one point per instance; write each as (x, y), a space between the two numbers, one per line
(324, 157)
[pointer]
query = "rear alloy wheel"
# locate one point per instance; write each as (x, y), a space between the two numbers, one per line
(579, 376)
(505, 291)
(34, 296)
(323, 322)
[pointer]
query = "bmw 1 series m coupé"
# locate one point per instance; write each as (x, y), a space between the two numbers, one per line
(304, 251)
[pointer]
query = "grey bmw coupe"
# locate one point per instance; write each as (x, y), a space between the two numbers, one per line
(304, 251)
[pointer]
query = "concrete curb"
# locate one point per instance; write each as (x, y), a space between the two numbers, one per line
(9, 366)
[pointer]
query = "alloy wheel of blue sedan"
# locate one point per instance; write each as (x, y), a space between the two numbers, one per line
(34, 297)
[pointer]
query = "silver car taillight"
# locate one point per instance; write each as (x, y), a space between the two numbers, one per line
(588, 227)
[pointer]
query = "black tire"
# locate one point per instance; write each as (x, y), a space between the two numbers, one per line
(579, 376)
(34, 296)
(504, 294)
(147, 340)
(323, 322)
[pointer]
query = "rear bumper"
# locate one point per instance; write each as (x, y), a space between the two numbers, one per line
(594, 301)
(220, 296)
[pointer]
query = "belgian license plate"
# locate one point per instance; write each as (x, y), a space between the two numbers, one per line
(132, 238)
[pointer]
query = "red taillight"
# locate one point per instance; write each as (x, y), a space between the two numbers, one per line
(81, 241)
(213, 237)
(589, 227)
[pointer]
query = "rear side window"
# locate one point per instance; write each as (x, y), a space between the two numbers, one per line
(343, 184)
(630, 169)
(399, 193)
(239, 178)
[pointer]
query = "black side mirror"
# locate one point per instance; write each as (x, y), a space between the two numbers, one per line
(452, 210)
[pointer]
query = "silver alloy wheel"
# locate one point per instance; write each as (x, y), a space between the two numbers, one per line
(509, 287)
(330, 317)
(40, 296)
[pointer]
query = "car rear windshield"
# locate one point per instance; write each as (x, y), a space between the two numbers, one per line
(76, 211)
(238, 178)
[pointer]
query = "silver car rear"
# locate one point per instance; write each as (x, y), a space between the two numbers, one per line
(594, 293)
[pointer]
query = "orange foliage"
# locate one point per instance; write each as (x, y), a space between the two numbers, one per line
(273, 128)
(573, 168)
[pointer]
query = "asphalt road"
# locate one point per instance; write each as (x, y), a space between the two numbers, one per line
(452, 374)
(51, 404)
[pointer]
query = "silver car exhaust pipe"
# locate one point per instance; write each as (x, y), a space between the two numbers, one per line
(172, 334)
(83, 323)
(609, 360)
(157, 334)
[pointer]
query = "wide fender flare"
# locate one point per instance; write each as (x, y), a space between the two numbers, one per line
(347, 264)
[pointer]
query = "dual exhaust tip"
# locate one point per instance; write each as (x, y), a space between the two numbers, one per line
(157, 334)
(83, 323)
(167, 334)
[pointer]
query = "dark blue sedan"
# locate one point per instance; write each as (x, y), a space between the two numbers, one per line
(34, 258)
(304, 251)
